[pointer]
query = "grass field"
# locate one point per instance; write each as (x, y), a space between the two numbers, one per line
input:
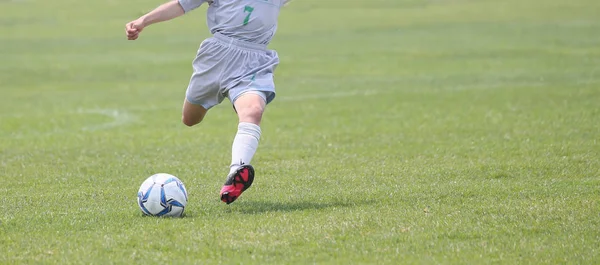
(403, 132)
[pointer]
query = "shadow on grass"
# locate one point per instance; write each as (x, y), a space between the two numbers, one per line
(257, 207)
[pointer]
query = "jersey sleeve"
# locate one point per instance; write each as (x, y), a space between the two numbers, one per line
(189, 5)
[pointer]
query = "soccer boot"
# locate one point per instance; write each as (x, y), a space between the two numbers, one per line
(237, 182)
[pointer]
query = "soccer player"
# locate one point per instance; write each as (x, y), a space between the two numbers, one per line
(234, 63)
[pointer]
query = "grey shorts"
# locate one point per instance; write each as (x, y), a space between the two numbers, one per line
(226, 68)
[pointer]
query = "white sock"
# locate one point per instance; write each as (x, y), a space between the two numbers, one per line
(244, 145)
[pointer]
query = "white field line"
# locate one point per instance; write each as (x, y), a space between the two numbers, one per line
(120, 118)
(367, 92)
(118, 114)
(332, 95)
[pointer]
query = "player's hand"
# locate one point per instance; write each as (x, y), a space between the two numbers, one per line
(133, 29)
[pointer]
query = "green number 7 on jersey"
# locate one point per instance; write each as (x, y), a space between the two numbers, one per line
(248, 9)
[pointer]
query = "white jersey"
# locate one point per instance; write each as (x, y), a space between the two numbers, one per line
(246, 20)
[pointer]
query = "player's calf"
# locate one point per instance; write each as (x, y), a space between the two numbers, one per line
(192, 114)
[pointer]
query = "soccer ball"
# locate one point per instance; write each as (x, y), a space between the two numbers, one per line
(162, 195)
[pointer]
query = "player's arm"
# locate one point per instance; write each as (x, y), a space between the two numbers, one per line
(164, 12)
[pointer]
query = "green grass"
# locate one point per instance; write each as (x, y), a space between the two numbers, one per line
(404, 131)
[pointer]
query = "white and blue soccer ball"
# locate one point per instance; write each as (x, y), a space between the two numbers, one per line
(162, 195)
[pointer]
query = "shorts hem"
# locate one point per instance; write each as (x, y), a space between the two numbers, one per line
(198, 103)
(268, 91)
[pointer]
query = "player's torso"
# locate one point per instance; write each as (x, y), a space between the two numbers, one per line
(249, 20)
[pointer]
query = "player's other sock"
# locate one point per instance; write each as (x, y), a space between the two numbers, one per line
(244, 145)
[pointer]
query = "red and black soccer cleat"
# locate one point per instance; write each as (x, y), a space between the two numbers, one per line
(237, 182)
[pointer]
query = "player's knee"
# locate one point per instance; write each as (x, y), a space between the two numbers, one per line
(252, 113)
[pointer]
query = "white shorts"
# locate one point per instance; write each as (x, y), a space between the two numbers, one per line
(225, 67)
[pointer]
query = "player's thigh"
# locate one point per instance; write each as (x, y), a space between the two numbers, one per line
(255, 74)
(203, 91)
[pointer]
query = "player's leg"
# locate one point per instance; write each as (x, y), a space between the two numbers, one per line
(192, 114)
(249, 107)
(249, 96)
(203, 91)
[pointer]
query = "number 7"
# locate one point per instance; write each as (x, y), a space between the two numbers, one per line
(248, 9)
